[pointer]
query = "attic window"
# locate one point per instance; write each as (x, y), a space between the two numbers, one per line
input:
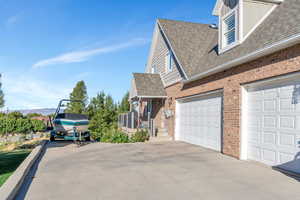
(168, 62)
(229, 29)
(153, 69)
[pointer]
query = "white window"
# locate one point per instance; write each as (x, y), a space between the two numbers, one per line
(153, 69)
(168, 62)
(229, 30)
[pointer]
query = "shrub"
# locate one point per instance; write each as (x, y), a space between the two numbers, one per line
(38, 125)
(23, 126)
(7, 125)
(16, 123)
(113, 135)
(140, 136)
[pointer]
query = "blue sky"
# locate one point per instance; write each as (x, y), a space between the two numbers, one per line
(47, 46)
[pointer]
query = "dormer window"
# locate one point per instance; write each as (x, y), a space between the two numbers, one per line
(229, 30)
(153, 69)
(168, 62)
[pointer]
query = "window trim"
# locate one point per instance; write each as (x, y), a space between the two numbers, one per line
(222, 47)
(168, 64)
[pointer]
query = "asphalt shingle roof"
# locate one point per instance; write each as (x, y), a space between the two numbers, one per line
(149, 85)
(196, 45)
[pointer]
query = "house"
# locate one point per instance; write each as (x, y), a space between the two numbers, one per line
(233, 88)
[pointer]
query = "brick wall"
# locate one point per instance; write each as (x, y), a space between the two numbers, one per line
(282, 62)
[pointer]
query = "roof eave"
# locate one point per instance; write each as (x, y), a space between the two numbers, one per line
(249, 57)
(272, 1)
(149, 97)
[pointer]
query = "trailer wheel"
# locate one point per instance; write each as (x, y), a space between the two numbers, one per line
(88, 138)
(52, 138)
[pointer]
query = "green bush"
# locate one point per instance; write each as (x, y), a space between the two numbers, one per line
(38, 125)
(140, 136)
(113, 135)
(7, 125)
(17, 123)
(23, 126)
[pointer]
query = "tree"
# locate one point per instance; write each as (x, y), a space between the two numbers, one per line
(124, 105)
(96, 104)
(103, 115)
(1, 95)
(79, 93)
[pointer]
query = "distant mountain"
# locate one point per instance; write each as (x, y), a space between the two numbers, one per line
(42, 111)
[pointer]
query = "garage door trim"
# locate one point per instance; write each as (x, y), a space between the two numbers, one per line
(179, 101)
(261, 84)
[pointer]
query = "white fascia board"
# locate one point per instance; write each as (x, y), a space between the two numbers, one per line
(153, 45)
(272, 1)
(217, 8)
(249, 57)
(174, 53)
(151, 97)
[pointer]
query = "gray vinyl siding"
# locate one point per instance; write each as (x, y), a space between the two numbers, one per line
(158, 60)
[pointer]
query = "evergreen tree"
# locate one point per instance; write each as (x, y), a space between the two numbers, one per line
(96, 104)
(103, 114)
(124, 105)
(1, 95)
(79, 93)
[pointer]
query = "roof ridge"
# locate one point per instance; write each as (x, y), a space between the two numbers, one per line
(181, 21)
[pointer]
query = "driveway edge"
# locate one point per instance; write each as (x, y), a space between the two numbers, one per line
(10, 188)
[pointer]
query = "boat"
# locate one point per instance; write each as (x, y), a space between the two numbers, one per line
(69, 126)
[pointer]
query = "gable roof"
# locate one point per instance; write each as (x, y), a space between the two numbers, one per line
(188, 40)
(185, 38)
(148, 85)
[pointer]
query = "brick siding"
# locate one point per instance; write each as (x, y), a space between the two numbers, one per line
(283, 62)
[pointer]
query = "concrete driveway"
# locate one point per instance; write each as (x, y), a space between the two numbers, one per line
(164, 171)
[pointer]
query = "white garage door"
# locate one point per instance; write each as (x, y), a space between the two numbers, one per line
(274, 125)
(199, 121)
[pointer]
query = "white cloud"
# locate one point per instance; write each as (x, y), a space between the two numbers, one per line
(23, 92)
(12, 20)
(81, 56)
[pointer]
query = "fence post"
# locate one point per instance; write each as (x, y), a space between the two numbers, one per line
(127, 124)
(132, 120)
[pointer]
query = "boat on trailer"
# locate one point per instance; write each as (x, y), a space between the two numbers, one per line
(69, 126)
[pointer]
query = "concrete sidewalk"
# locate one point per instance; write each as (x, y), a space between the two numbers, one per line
(163, 171)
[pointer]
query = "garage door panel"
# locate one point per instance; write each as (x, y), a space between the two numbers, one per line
(285, 105)
(269, 105)
(274, 125)
(269, 156)
(204, 121)
(269, 121)
(269, 138)
(254, 152)
(288, 140)
(254, 137)
(270, 94)
(285, 157)
(287, 122)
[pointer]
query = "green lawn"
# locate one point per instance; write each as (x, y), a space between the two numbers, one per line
(9, 162)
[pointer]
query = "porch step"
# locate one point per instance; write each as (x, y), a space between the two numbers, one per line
(162, 132)
(160, 139)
